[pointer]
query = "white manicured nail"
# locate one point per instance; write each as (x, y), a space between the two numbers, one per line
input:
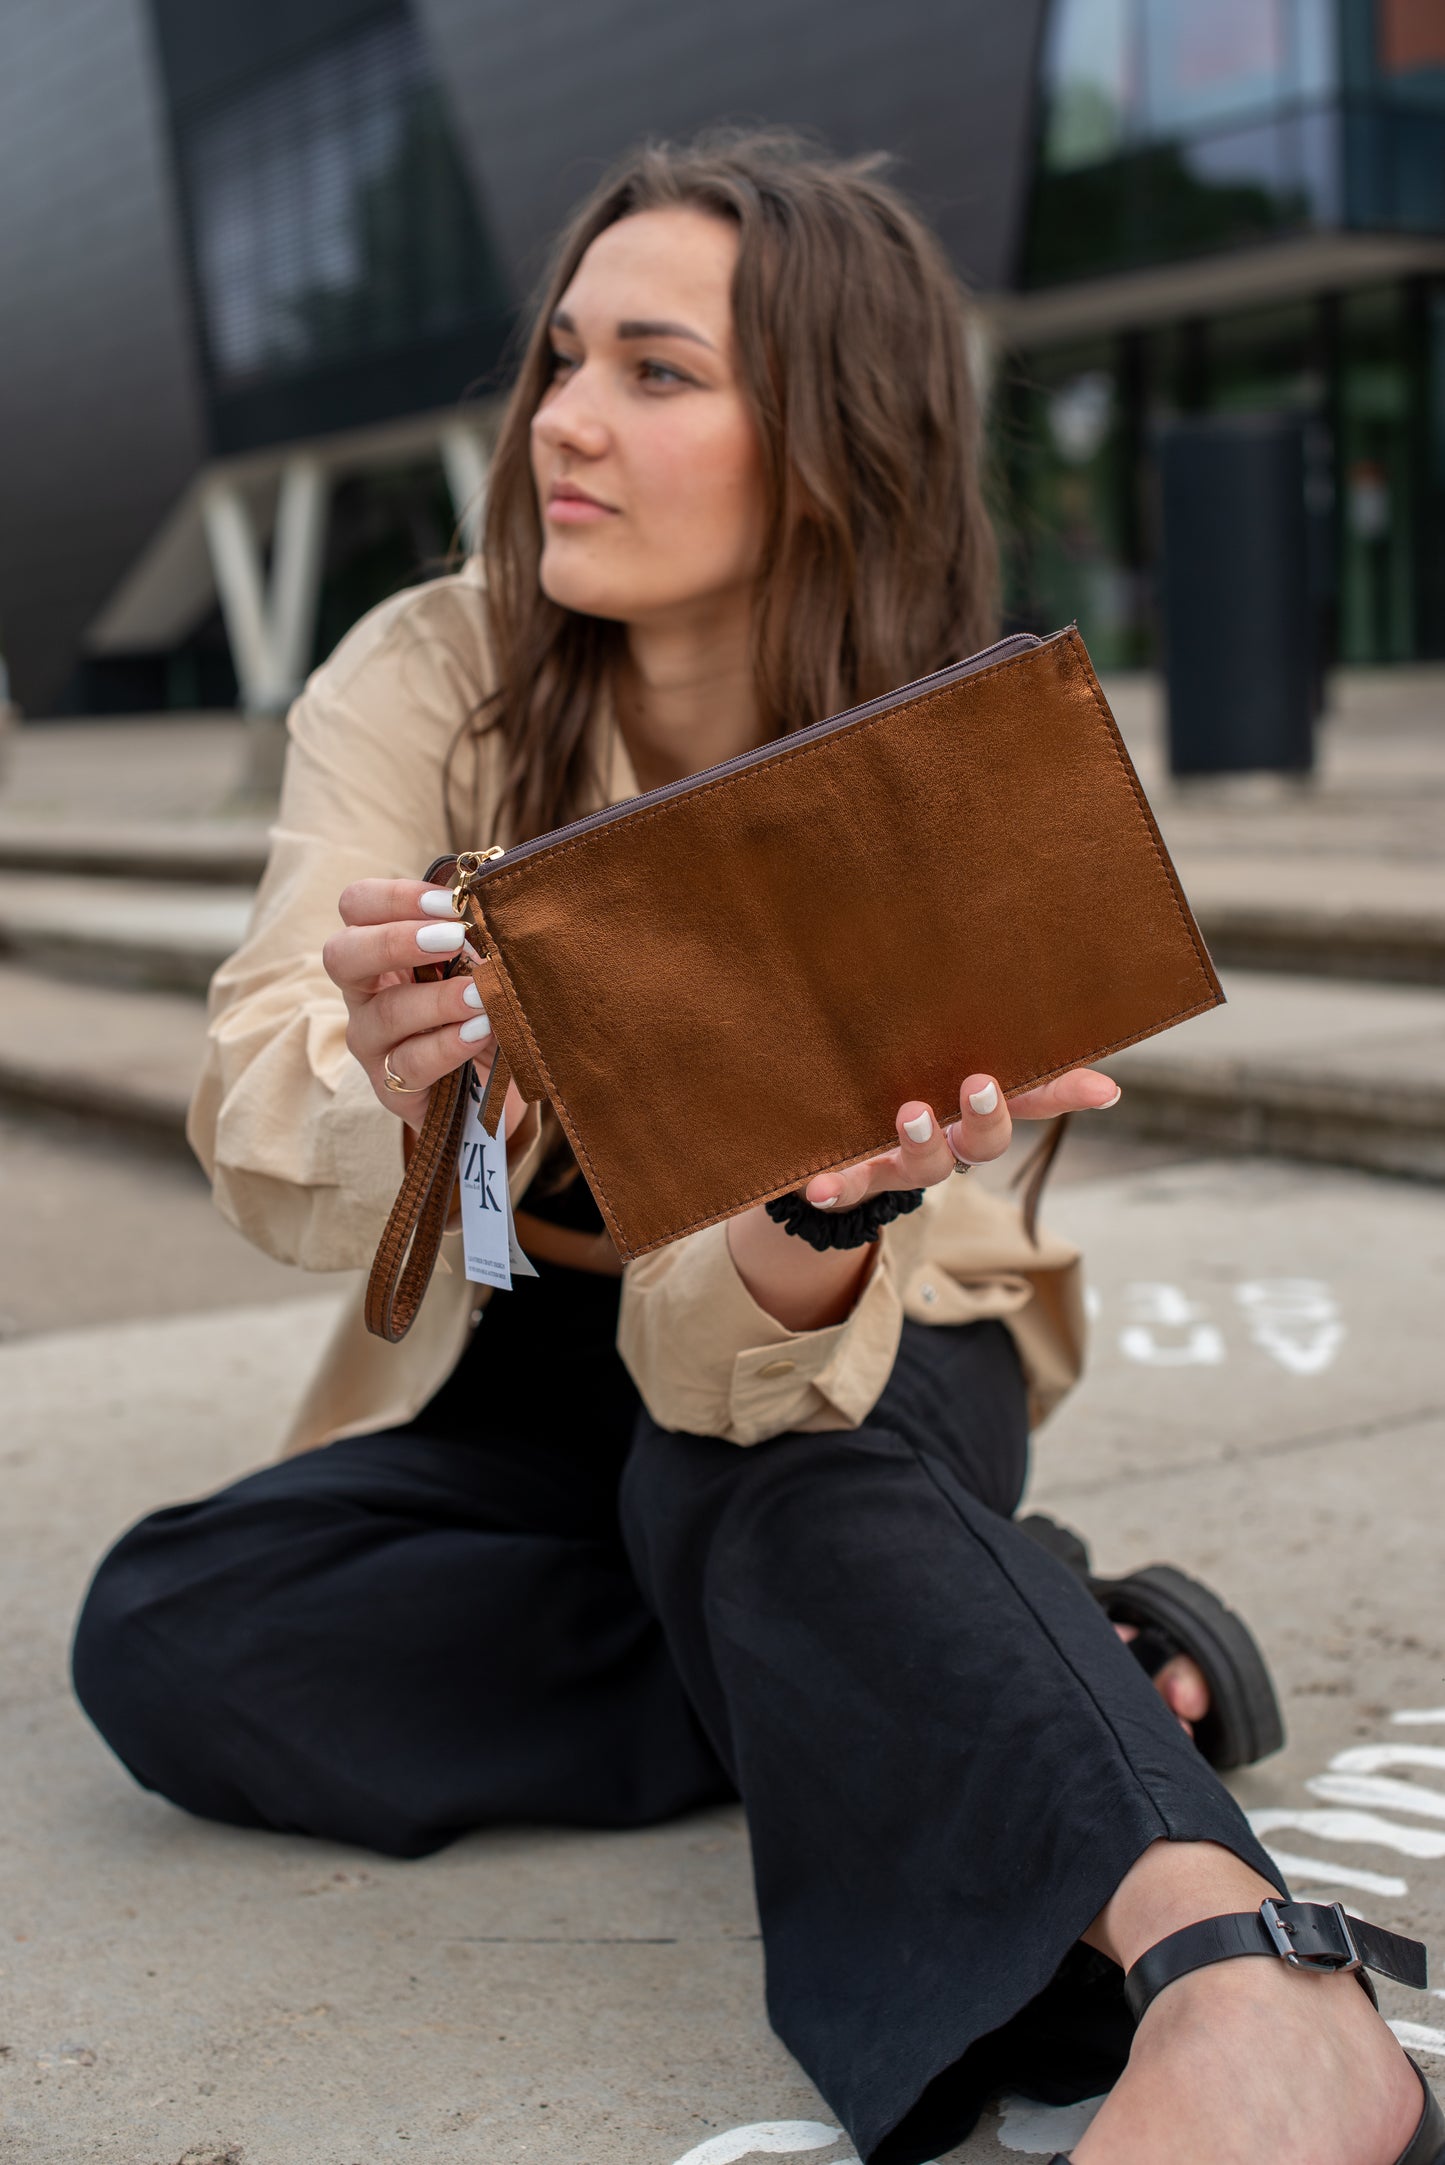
(985, 1100)
(437, 902)
(440, 939)
(1112, 1101)
(479, 1027)
(471, 995)
(829, 1202)
(919, 1129)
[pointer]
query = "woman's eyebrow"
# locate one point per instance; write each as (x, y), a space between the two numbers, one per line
(561, 321)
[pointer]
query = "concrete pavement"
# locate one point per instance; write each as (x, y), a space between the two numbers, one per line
(1265, 1405)
(104, 1227)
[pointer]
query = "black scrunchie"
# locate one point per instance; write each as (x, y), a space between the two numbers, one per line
(847, 1229)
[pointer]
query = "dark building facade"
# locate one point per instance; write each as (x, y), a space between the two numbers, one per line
(261, 261)
(1234, 209)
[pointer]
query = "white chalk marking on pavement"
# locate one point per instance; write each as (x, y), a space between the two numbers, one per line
(1320, 1871)
(1044, 2130)
(1418, 2037)
(1353, 1827)
(773, 2138)
(1203, 1348)
(1157, 1307)
(1420, 1714)
(1294, 1320)
(1377, 1789)
(1370, 1758)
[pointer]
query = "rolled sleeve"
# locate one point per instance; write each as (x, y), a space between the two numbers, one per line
(302, 1157)
(708, 1360)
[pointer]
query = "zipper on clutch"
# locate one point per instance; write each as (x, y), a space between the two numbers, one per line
(472, 864)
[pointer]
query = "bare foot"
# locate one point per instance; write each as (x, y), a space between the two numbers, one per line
(1254, 2063)
(1180, 1684)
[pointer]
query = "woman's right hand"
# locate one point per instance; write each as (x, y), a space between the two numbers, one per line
(389, 927)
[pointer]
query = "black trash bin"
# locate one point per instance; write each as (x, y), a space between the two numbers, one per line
(1238, 618)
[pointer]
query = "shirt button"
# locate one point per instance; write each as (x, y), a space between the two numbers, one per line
(777, 1368)
(929, 1292)
(476, 1316)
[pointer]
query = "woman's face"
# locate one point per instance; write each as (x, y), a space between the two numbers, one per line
(646, 461)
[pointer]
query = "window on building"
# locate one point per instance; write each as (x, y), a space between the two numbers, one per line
(1088, 82)
(1208, 65)
(1169, 129)
(329, 215)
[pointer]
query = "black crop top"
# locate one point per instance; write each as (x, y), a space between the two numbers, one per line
(542, 1377)
(574, 1206)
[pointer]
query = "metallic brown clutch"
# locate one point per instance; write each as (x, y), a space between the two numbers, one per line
(731, 983)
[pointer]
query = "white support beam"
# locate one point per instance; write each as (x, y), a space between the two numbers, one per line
(296, 558)
(236, 561)
(270, 630)
(465, 461)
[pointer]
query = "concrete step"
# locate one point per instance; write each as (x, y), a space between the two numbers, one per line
(227, 852)
(1335, 916)
(126, 1058)
(1315, 914)
(166, 936)
(1346, 1074)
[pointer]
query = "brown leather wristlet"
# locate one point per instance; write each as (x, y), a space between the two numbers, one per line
(727, 984)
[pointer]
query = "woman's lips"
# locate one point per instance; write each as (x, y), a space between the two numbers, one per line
(577, 510)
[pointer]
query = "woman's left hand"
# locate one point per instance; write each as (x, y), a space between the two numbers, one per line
(981, 1130)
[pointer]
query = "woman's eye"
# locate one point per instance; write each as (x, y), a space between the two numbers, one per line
(659, 372)
(557, 361)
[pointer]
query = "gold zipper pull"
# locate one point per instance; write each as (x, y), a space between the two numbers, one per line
(469, 864)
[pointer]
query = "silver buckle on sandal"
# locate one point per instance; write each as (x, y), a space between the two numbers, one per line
(1281, 1932)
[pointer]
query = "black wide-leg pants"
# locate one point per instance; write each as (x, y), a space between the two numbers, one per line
(948, 1759)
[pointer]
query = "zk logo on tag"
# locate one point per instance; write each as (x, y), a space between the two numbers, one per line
(489, 1238)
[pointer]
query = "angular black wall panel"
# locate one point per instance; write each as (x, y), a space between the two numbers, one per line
(106, 410)
(100, 413)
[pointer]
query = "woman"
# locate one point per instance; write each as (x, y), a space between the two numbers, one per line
(518, 1577)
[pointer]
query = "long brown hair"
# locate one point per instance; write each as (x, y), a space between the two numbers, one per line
(879, 561)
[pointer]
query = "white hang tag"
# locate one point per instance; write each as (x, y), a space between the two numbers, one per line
(489, 1236)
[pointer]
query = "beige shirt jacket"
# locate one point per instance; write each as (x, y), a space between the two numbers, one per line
(306, 1162)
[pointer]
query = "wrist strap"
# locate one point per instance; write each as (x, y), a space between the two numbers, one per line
(1307, 1935)
(407, 1252)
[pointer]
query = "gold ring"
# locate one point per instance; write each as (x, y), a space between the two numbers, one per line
(960, 1165)
(394, 1081)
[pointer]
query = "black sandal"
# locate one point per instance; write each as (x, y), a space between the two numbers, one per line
(1174, 1614)
(1309, 1936)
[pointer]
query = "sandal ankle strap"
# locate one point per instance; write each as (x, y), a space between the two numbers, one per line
(1307, 1935)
